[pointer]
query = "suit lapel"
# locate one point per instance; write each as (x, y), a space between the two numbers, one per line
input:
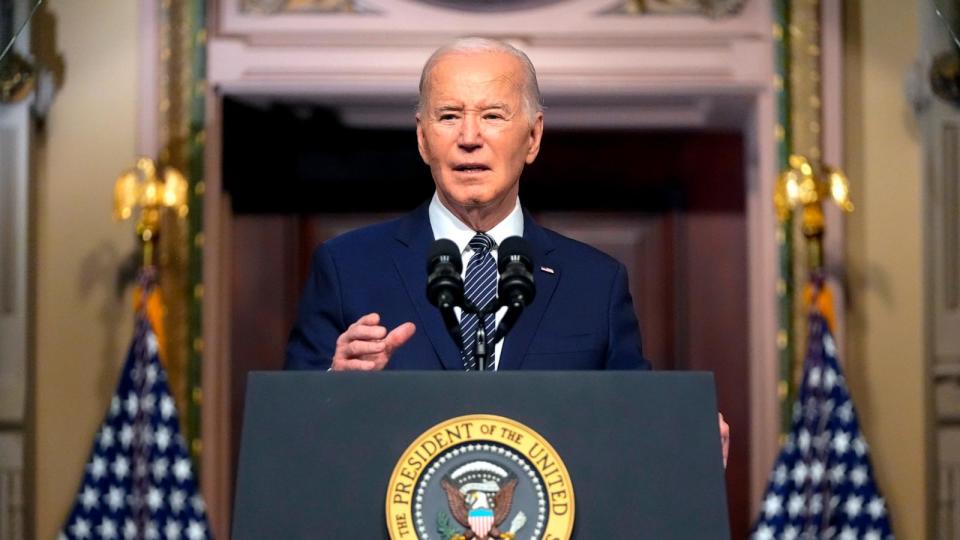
(517, 342)
(414, 237)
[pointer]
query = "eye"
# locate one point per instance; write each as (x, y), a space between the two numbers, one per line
(494, 116)
(448, 117)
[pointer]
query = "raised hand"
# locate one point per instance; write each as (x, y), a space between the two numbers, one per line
(367, 346)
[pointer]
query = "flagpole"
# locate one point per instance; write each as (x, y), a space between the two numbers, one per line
(140, 481)
(822, 483)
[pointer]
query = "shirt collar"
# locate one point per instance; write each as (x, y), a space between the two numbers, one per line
(447, 225)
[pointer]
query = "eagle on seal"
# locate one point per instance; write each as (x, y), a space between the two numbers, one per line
(473, 511)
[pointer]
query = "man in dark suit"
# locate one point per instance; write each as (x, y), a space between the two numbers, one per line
(479, 121)
(581, 318)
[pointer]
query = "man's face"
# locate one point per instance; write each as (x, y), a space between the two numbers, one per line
(474, 132)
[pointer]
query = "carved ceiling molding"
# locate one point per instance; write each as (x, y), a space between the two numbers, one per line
(710, 8)
(571, 41)
(273, 7)
(396, 25)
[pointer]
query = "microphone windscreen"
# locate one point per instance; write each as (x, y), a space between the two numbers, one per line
(514, 247)
(444, 247)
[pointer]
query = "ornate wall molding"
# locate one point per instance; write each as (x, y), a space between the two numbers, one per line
(710, 8)
(571, 41)
(272, 7)
(426, 22)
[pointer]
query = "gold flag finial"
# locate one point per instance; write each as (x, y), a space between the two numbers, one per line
(150, 190)
(806, 184)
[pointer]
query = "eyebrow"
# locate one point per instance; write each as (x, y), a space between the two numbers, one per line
(459, 108)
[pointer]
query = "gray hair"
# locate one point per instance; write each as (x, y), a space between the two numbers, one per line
(532, 102)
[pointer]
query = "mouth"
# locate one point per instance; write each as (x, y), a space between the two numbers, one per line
(471, 168)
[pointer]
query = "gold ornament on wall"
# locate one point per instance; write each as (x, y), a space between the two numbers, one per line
(806, 184)
(151, 190)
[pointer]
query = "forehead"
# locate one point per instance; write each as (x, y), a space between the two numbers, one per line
(476, 77)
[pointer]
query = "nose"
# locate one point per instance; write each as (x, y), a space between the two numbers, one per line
(470, 137)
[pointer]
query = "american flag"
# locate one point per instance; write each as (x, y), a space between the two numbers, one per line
(822, 485)
(139, 482)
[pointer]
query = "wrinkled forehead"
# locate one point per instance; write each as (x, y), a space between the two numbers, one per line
(464, 75)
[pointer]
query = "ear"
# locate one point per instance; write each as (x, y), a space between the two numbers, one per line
(536, 134)
(421, 142)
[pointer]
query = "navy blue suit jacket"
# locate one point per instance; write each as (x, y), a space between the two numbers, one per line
(581, 318)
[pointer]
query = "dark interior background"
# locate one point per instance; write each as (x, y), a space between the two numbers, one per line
(285, 158)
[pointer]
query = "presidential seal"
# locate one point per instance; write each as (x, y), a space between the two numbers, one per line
(480, 477)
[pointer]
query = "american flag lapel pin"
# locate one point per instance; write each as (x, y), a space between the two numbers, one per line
(547, 269)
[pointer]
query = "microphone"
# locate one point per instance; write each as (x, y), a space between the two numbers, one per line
(445, 285)
(516, 289)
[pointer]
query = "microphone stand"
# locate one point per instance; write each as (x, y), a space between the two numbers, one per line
(515, 290)
(514, 309)
(452, 323)
(480, 346)
(480, 349)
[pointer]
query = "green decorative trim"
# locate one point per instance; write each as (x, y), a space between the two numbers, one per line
(786, 336)
(195, 156)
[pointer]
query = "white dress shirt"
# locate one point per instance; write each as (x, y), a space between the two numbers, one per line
(447, 225)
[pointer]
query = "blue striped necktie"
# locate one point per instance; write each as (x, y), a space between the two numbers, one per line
(480, 287)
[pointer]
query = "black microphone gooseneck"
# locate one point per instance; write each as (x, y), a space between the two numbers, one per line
(516, 289)
(445, 284)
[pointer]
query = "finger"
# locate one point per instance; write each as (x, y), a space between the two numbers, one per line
(361, 333)
(724, 427)
(368, 319)
(366, 327)
(359, 348)
(398, 336)
(354, 365)
(365, 333)
(379, 360)
(724, 438)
